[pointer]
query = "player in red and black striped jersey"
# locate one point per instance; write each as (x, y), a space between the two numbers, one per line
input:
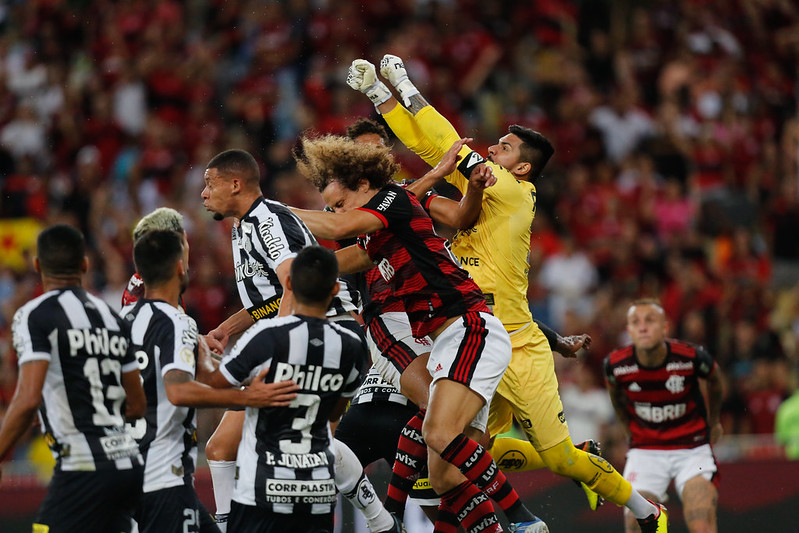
(654, 384)
(471, 348)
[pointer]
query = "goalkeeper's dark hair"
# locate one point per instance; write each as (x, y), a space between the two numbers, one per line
(60, 250)
(314, 273)
(365, 126)
(237, 162)
(155, 253)
(535, 148)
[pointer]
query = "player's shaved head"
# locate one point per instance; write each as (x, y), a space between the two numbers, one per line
(535, 148)
(163, 218)
(239, 163)
(653, 302)
(335, 158)
(60, 250)
(156, 253)
(314, 274)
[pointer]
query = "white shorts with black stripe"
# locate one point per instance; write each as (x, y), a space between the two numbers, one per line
(393, 347)
(474, 350)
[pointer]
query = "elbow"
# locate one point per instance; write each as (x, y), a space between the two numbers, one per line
(135, 408)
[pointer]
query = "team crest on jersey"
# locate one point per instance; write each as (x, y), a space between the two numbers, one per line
(675, 383)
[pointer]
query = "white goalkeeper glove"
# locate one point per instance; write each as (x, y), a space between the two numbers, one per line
(361, 76)
(393, 69)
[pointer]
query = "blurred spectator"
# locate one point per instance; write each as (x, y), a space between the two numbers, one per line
(676, 129)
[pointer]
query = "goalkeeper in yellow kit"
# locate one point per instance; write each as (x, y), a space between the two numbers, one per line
(495, 253)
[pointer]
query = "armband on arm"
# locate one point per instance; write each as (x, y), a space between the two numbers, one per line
(469, 162)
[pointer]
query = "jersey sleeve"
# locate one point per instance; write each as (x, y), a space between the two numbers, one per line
(280, 237)
(248, 357)
(607, 369)
(704, 363)
(129, 361)
(352, 381)
(391, 205)
(30, 336)
(184, 350)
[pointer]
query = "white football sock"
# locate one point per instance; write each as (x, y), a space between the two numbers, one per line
(356, 487)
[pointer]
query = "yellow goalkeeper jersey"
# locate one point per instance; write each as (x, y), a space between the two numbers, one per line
(495, 250)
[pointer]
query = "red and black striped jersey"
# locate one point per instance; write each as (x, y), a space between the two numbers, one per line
(416, 264)
(379, 296)
(665, 403)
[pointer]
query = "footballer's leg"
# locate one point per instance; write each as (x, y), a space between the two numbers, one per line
(700, 499)
(221, 451)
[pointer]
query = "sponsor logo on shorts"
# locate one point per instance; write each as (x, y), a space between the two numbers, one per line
(300, 491)
(562, 417)
(423, 483)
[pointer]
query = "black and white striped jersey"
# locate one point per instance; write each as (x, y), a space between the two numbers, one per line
(375, 388)
(286, 450)
(88, 349)
(164, 338)
(268, 234)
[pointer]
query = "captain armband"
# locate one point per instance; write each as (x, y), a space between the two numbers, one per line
(468, 163)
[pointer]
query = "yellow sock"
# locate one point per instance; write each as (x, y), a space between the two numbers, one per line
(515, 455)
(566, 460)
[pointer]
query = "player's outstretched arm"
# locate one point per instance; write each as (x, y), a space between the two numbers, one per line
(182, 390)
(463, 214)
(218, 337)
(22, 409)
(339, 226)
(353, 259)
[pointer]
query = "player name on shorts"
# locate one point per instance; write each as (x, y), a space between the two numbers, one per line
(655, 413)
(297, 460)
(99, 342)
(300, 491)
(118, 446)
(309, 377)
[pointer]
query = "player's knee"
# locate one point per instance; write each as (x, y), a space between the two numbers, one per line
(560, 460)
(437, 435)
(700, 526)
(218, 449)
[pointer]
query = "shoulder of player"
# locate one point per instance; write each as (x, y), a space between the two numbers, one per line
(40, 307)
(344, 332)
(682, 348)
(622, 355)
(267, 326)
(176, 316)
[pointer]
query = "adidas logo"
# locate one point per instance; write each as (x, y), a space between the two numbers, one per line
(439, 368)
(635, 387)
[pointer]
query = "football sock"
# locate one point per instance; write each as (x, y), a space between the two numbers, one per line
(356, 487)
(479, 468)
(410, 459)
(472, 507)
(515, 455)
(223, 474)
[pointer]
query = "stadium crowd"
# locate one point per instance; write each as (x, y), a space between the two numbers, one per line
(675, 125)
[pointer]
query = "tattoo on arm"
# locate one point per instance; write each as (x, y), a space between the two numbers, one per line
(416, 103)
